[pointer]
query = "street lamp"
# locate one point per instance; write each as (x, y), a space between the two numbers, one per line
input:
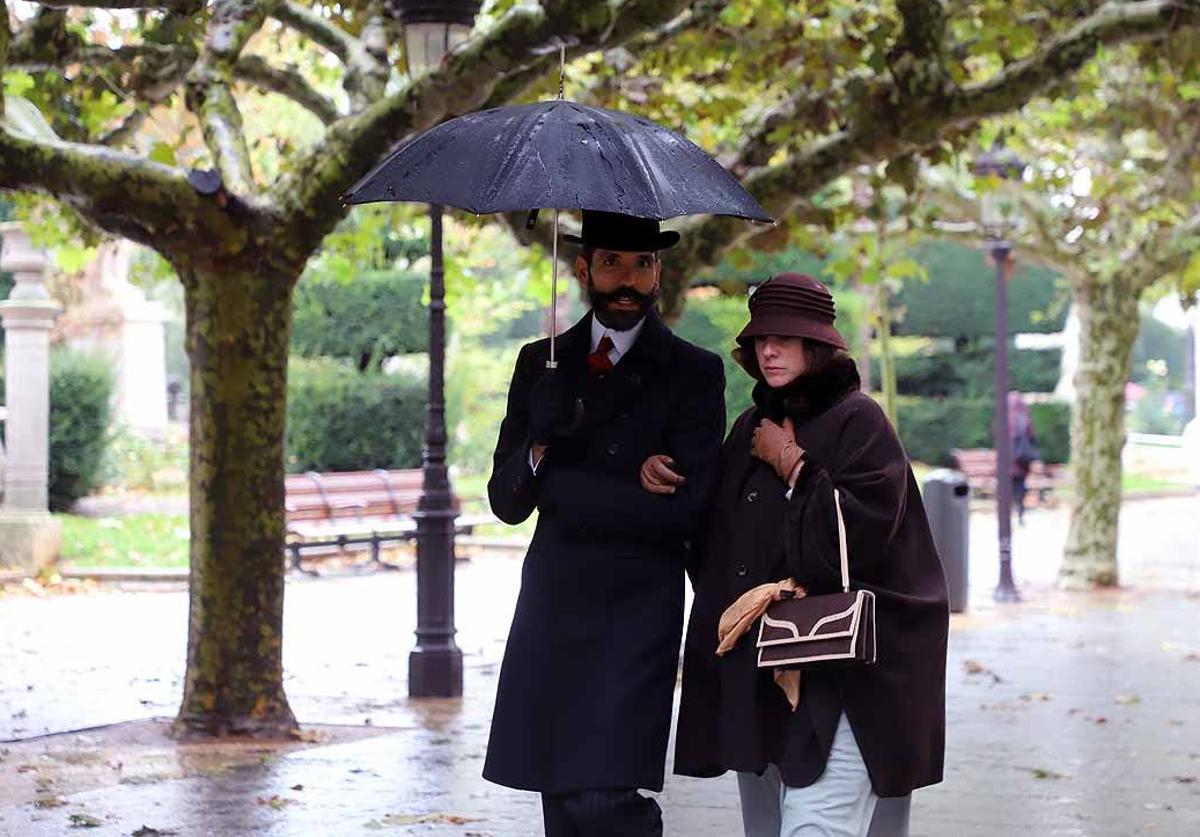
(999, 217)
(431, 29)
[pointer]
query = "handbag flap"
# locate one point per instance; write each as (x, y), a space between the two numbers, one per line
(812, 618)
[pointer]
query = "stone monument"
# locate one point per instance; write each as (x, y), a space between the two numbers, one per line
(113, 319)
(29, 536)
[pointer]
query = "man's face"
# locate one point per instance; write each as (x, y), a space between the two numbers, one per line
(622, 285)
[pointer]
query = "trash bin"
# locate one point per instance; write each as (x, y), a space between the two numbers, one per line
(947, 502)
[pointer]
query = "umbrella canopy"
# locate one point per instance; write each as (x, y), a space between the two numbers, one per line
(557, 155)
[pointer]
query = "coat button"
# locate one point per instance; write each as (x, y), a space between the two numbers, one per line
(741, 570)
(613, 448)
(635, 379)
(752, 497)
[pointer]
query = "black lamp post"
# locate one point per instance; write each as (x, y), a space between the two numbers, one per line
(998, 215)
(431, 29)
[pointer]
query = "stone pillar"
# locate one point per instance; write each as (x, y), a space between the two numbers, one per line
(29, 536)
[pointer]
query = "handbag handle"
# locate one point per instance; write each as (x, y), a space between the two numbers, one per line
(843, 555)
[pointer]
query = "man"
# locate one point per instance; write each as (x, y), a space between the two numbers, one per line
(583, 705)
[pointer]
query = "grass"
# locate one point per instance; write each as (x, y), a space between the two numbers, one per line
(141, 540)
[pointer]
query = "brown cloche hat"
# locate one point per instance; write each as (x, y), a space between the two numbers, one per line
(792, 305)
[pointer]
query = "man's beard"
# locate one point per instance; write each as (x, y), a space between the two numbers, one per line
(615, 318)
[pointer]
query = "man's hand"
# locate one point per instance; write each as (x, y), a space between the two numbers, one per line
(551, 412)
(658, 477)
(776, 445)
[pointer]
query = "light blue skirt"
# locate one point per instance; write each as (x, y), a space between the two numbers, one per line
(839, 804)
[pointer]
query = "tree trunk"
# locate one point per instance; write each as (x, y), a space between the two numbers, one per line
(887, 358)
(1108, 326)
(238, 326)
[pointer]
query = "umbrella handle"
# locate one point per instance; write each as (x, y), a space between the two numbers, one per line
(552, 363)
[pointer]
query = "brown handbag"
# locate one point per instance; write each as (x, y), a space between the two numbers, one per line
(820, 631)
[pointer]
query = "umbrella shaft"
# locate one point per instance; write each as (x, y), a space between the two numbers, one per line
(553, 363)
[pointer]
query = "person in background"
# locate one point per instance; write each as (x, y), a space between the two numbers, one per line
(1024, 448)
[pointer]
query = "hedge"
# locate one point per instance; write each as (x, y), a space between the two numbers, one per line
(339, 420)
(931, 428)
(81, 390)
(377, 315)
(971, 373)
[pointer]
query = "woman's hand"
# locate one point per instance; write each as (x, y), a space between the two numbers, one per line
(776, 445)
(658, 477)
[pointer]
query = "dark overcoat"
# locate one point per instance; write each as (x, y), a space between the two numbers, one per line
(732, 715)
(585, 691)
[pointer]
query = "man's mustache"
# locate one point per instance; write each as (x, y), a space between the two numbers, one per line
(623, 295)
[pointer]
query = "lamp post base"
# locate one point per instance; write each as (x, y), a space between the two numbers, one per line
(435, 672)
(1007, 594)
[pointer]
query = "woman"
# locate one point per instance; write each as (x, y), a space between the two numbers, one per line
(1024, 448)
(858, 734)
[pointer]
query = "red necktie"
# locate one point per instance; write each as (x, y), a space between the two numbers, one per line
(598, 361)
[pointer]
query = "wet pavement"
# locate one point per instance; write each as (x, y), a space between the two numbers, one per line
(1070, 714)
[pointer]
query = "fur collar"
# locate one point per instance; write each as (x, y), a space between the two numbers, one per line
(808, 395)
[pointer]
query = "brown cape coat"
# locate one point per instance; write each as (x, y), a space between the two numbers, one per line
(732, 715)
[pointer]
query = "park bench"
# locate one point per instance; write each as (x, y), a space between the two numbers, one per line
(979, 467)
(328, 512)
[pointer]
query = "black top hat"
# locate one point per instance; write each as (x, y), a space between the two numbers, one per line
(613, 231)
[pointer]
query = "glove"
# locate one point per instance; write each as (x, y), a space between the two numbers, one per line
(553, 414)
(776, 445)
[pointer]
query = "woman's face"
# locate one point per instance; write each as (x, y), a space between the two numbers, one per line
(781, 359)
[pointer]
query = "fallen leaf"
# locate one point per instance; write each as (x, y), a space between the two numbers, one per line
(147, 831)
(49, 802)
(297, 787)
(1193, 657)
(973, 667)
(1128, 700)
(1043, 773)
(84, 821)
(1038, 697)
(392, 820)
(1185, 780)
(276, 801)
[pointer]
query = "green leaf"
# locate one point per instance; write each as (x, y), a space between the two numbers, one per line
(17, 83)
(163, 153)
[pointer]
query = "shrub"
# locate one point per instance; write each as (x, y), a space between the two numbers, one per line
(81, 389)
(931, 428)
(375, 316)
(339, 420)
(970, 373)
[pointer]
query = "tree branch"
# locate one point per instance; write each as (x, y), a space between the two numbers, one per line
(286, 82)
(209, 89)
(307, 22)
(887, 120)
(183, 7)
(365, 58)
(1063, 55)
(121, 193)
(353, 144)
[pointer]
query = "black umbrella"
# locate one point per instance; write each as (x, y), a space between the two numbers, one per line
(557, 155)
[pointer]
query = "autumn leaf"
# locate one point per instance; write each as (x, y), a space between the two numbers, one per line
(84, 821)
